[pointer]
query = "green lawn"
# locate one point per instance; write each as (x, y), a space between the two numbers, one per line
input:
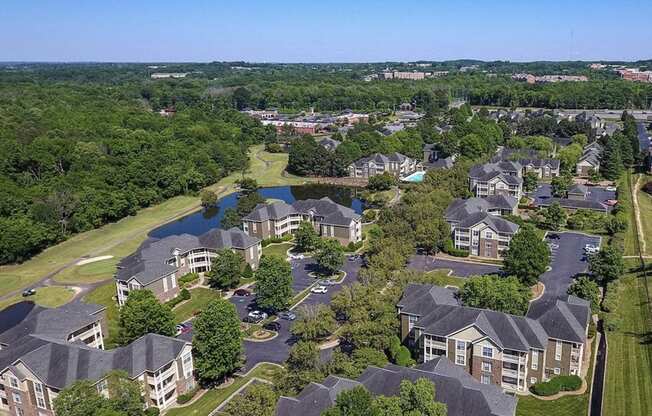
(645, 205)
(213, 398)
(51, 296)
(199, 299)
(564, 406)
(625, 199)
(277, 249)
(441, 278)
(88, 273)
(628, 389)
(123, 237)
(103, 295)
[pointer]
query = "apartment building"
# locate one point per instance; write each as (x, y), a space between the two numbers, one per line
(477, 227)
(73, 322)
(500, 178)
(460, 392)
(395, 163)
(330, 220)
(159, 263)
(34, 372)
(544, 168)
(298, 127)
(512, 352)
(590, 160)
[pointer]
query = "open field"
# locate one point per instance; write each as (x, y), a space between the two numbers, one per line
(199, 299)
(103, 295)
(645, 206)
(123, 237)
(628, 389)
(88, 273)
(214, 397)
(51, 297)
(277, 249)
(625, 199)
(440, 277)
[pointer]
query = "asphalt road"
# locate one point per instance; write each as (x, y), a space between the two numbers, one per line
(425, 263)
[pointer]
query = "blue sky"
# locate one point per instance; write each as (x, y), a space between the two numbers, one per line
(323, 31)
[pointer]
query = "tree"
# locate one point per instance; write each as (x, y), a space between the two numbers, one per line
(241, 98)
(125, 395)
(274, 283)
(306, 238)
(530, 181)
(142, 314)
(247, 203)
(230, 219)
(580, 139)
(226, 269)
(257, 400)
(569, 156)
(497, 293)
(79, 399)
(302, 366)
(208, 198)
(607, 265)
(419, 398)
(611, 164)
(560, 185)
(314, 322)
(217, 341)
(527, 257)
(555, 216)
(382, 182)
(615, 224)
(247, 185)
(586, 289)
(355, 402)
(431, 235)
(330, 256)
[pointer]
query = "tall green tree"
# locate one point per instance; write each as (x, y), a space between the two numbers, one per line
(607, 265)
(530, 181)
(314, 322)
(306, 238)
(611, 164)
(141, 314)
(586, 289)
(527, 257)
(274, 283)
(497, 293)
(226, 269)
(208, 198)
(560, 185)
(256, 400)
(555, 216)
(418, 398)
(330, 256)
(355, 402)
(230, 219)
(217, 342)
(79, 399)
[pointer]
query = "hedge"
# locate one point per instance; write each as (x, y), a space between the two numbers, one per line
(557, 384)
(187, 396)
(183, 295)
(187, 278)
(273, 240)
(455, 252)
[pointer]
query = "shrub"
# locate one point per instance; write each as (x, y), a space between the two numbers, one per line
(248, 272)
(187, 396)
(188, 278)
(403, 357)
(152, 411)
(353, 246)
(369, 215)
(183, 295)
(274, 240)
(450, 249)
(592, 329)
(273, 148)
(557, 384)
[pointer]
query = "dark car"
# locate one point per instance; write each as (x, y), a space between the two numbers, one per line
(252, 319)
(553, 236)
(272, 326)
(241, 292)
(29, 292)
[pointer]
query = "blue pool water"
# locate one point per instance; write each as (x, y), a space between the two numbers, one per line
(415, 177)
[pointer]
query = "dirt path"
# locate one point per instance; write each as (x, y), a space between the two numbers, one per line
(266, 162)
(637, 213)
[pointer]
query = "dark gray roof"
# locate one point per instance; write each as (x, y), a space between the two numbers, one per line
(574, 204)
(540, 163)
(462, 394)
(461, 208)
(381, 159)
(148, 263)
(445, 163)
(327, 211)
(565, 318)
(329, 144)
(506, 170)
(497, 223)
(57, 323)
(58, 364)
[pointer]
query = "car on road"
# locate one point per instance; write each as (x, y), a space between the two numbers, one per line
(257, 314)
(241, 292)
(29, 292)
(184, 328)
(319, 289)
(297, 256)
(287, 315)
(272, 326)
(326, 282)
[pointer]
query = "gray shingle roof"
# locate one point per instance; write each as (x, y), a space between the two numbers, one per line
(496, 223)
(506, 170)
(381, 159)
(148, 263)
(57, 323)
(328, 211)
(58, 364)
(461, 208)
(574, 204)
(540, 163)
(565, 318)
(462, 394)
(329, 144)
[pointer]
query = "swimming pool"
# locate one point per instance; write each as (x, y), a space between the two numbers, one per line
(415, 177)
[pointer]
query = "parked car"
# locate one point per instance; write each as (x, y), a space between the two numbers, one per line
(272, 326)
(257, 314)
(29, 292)
(591, 249)
(242, 292)
(354, 257)
(184, 328)
(252, 320)
(611, 189)
(611, 202)
(553, 236)
(287, 315)
(319, 289)
(326, 282)
(553, 246)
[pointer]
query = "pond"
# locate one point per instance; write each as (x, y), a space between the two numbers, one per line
(202, 221)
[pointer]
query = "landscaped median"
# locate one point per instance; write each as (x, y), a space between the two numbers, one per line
(210, 399)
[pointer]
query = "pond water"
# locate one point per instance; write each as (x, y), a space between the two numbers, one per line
(202, 221)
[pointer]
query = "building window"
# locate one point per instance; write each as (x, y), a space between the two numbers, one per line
(40, 398)
(411, 321)
(485, 379)
(14, 382)
(16, 398)
(558, 351)
(19, 412)
(187, 365)
(460, 359)
(535, 360)
(533, 380)
(557, 370)
(488, 235)
(486, 366)
(40, 403)
(460, 356)
(487, 352)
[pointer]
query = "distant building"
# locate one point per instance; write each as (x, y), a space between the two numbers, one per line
(395, 163)
(298, 127)
(544, 168)
(159, 263)
(329, 219)
(164, 75)
(263, 114)
(431, 159)
(329, 144)
(632, 74)
(544, 79)
(590, 160)
(501, 178)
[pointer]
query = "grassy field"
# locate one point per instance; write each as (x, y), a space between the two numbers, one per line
(628, 389)
(103, 295)
(51, 296)
(277, 249)
(88, 273)
(625, 199)
(123, 237)
(645, 205)
(199, 299)
(564, 406)
(213, 398)
(441, 278)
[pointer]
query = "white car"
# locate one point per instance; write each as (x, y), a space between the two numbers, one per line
(611, 189)
(591, 249)
(257, 315)
(319, 289)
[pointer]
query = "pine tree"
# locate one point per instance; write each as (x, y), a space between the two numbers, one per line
(611, 165)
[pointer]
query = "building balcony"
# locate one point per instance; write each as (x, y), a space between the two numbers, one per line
(514, 359)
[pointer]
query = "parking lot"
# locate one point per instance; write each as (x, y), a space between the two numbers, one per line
(596, 194)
